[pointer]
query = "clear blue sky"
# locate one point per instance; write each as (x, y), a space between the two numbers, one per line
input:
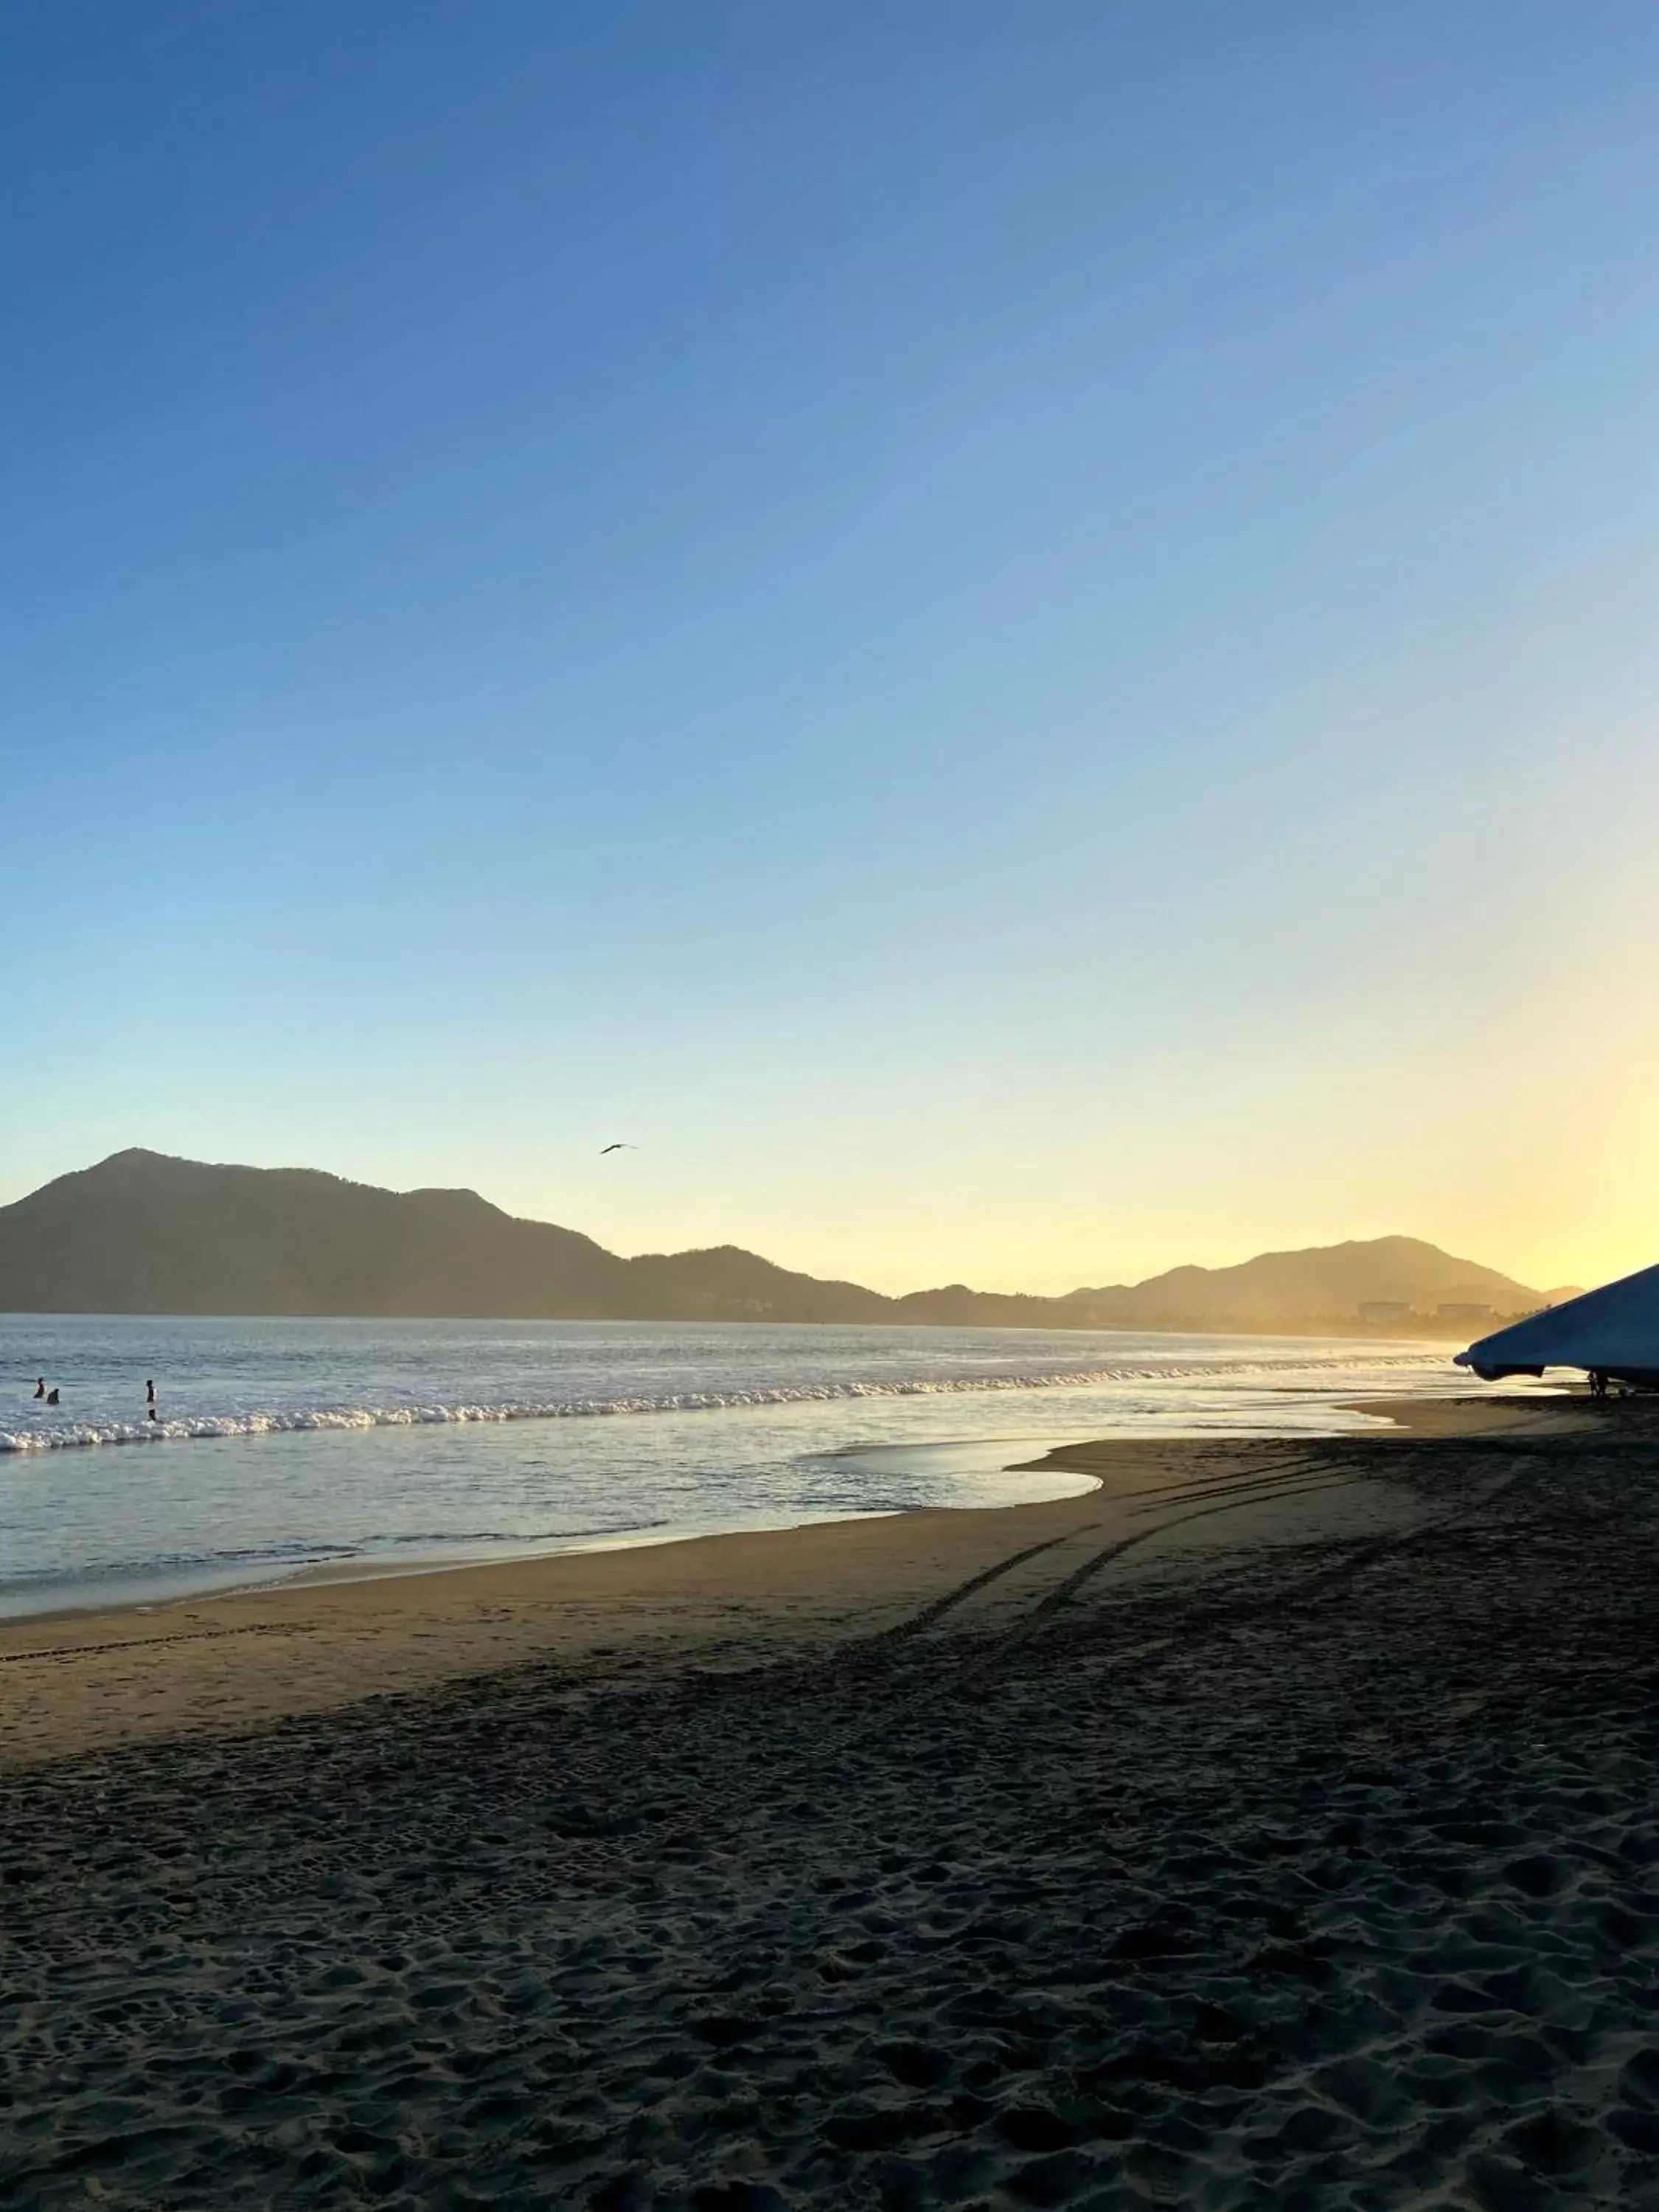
(1021, 638)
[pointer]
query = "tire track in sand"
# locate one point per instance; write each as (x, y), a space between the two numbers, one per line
(879, 1663)
(1295, 1472)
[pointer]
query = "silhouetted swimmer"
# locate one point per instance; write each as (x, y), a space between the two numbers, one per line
(40, 1386)
(149, 1393)
(1598, 1382)
(51, 1397)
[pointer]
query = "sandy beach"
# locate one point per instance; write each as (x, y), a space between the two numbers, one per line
(1275, 1826)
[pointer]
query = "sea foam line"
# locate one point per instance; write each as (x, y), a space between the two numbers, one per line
(68, 1435)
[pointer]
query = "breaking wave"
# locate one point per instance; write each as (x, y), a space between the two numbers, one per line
(66, 1435)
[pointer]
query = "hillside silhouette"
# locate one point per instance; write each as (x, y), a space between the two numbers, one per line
(143, 1233)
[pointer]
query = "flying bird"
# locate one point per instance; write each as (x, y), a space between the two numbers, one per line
(619, 1147)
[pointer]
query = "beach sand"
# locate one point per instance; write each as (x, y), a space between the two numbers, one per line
(1276, 1826)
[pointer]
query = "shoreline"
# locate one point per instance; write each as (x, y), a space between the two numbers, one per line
(1273, 1825)
(344, 1573)
(139, 1598)
(141, 1590)
(253, 1655)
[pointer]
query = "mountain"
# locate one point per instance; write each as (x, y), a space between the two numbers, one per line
(1278, 1288)
(143, 1233)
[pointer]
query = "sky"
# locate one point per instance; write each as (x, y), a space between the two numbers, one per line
(1020, 639)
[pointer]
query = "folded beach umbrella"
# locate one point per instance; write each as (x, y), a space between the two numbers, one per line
(1614, 1329)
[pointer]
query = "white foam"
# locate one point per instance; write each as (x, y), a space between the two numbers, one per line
(58, 1434)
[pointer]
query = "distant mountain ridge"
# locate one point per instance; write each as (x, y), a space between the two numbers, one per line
(141, 1232)
(1328, 1279)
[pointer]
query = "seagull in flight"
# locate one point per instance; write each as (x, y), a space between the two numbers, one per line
(619, 1147)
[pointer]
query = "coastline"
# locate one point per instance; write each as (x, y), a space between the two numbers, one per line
(1273, 1825)
(85, 1679)
(747, 1431)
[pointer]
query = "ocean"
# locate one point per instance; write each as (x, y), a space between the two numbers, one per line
(285, 1445)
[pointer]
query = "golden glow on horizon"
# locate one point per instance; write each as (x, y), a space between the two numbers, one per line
(1516, 1134)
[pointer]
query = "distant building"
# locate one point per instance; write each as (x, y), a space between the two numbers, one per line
(1385, 1309)
(1463, 1309)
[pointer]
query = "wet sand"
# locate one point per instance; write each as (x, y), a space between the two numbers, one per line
(1277, 1825)
(76, 1681)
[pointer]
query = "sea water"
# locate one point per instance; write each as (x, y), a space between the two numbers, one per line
(281, 1445)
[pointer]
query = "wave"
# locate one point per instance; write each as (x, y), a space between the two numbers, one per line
(292, 1554)
(60, 1435)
